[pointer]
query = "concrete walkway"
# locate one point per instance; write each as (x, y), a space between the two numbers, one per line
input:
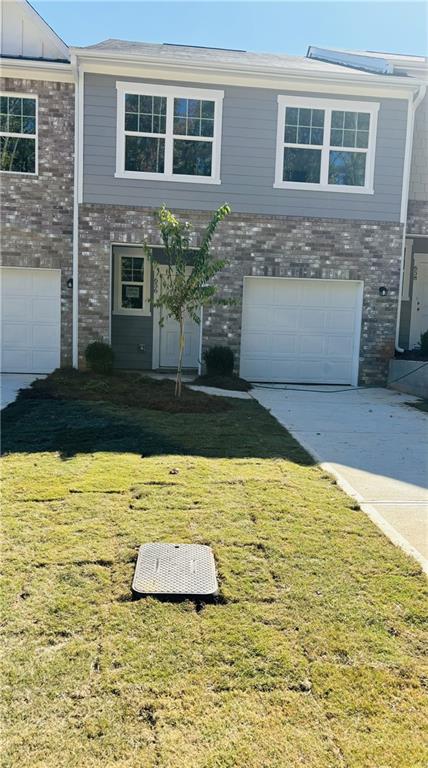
(373, 443)
(10, 383)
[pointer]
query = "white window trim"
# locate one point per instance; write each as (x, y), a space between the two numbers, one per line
(34, 136)
(170, 92)
(328, 105)
(146, 311)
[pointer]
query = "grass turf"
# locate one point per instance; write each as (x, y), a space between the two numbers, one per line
(313, 657)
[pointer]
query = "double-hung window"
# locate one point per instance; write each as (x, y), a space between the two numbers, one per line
(325, 145)
(132, 281)
(168, 133)
(18, 133)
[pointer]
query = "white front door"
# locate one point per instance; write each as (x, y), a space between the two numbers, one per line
(419, 317)
(166, 340)
(301, 330)
(169, 340)
(30, 320)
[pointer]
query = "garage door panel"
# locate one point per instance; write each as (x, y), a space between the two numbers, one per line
(17, 335)
(312, 345)
(45, 309)
(340, 321)
(14, 308)
(310, 335)
(45, 336)
(339, 346)
(311, 319)
(345, 298)
(284, 319)
(31, 320)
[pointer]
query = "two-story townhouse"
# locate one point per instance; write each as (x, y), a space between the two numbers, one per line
(37, 178)
(413, 313)
(313, 156)
(310, 155)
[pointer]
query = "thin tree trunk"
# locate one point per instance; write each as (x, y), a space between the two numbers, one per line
(180, 359)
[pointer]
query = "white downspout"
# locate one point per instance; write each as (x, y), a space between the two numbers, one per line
(411, 109)
(76, 197)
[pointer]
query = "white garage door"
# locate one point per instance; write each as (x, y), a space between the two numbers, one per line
(30, 320)
(302, 331)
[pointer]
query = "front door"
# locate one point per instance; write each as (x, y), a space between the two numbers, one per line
(169, 339)
(419, 319)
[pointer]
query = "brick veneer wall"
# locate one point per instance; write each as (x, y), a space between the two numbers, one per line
(37, 212)
(255, 245)
(417, 217)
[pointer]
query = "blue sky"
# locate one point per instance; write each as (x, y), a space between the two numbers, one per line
(288, 27)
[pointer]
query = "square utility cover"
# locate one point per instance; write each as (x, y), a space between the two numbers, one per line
(175, 569)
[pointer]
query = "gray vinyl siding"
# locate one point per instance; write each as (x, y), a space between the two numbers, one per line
(419, 169)
(127, 334)
(247, 161)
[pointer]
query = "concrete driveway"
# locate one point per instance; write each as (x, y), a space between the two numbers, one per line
(10, 383)
(373, 443)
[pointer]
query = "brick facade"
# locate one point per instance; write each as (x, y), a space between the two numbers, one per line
(417, 218)
(255, 245)
(37, 212)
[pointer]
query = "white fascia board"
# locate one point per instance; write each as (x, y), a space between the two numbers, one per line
(29, 69)
(380, 87)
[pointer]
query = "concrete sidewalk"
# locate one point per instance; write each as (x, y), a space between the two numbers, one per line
(10, 383)
(373, 443)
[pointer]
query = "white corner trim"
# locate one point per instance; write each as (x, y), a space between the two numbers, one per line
(412, 106)
(328, 105)
(169, 92)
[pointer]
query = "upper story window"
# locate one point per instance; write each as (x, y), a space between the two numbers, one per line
(18, 133)
(325, 145)
(168, 133)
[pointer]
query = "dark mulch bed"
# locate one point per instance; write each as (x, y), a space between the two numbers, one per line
(412, 354)
(126, 389)
(223, 382)
(421, 405)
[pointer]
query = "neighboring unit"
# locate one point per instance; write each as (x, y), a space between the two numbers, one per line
(312, 153)
(37, 167)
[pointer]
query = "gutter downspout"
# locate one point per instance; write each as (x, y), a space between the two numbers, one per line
(411, 110)
(75, 301)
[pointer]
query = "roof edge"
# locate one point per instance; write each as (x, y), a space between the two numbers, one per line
(81, 53)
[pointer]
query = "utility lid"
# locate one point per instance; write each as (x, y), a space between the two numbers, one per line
(175, 569)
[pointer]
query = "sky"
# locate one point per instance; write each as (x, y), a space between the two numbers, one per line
(254, 25)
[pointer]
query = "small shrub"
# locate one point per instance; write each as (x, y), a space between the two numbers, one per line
(219, 361)
(99, 357)
(424, 344)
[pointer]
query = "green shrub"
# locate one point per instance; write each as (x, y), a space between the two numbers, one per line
(99, 357)
(424, 344)
(219, 361)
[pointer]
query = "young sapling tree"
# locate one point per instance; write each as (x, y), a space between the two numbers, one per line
(184, 284)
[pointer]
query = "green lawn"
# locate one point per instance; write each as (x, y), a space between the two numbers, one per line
(312, 658)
